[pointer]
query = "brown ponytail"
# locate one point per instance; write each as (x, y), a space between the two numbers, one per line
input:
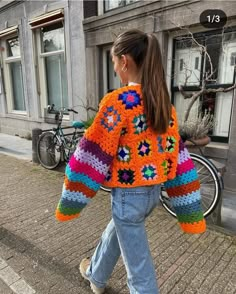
(146, 53)
(156, 98)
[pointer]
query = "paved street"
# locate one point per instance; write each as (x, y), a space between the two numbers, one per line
(40, 255)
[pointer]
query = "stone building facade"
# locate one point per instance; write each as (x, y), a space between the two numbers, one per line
(58, 52)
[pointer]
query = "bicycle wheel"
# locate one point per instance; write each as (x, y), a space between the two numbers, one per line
(71, 145)
(209, 186)
(49, 150)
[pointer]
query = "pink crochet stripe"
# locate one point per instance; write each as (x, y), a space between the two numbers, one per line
(185, 167)
(79, 167)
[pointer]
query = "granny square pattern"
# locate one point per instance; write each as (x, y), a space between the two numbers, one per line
(124, 153)
(170, 144)
(130, 98)
(126, 176)
(149, 172)
(110, 118)
(140, 123)
(144, 148)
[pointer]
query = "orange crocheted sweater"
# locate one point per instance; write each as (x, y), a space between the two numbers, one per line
(121, 150)
(140, 157)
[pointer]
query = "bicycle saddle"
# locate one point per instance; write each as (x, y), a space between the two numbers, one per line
(77, 124)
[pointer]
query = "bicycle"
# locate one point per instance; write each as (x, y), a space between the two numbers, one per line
(54, 145)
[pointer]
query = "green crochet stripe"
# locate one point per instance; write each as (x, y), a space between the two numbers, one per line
(190, 218)
(70, 210)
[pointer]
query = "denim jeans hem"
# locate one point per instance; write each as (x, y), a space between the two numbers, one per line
(96, 283)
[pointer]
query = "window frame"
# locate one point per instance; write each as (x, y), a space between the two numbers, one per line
(174, 89)
(122, 6)
(41, 68)
(7, 87)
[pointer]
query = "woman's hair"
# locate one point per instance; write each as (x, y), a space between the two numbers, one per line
(145, 51)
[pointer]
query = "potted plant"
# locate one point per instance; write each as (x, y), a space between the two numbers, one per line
(195, 130)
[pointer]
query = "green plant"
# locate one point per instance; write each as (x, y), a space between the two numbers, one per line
(88, 122)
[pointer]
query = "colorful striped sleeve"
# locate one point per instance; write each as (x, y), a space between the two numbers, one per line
(184, 193)
(91, 161)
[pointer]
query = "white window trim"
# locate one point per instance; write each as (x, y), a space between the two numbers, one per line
(7, 78)
(40, 60)
(100, 7)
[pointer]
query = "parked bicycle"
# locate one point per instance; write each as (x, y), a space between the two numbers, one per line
(54, 146)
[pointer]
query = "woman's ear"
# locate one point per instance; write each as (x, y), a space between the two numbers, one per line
(124, 60)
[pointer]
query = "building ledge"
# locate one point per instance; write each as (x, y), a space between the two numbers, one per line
(217, 150)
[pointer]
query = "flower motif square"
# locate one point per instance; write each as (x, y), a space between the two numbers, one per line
(124, 154)
(144, 148)
(126, 176)
(140, 123)
(110, 118)
(149, 172)
(170, 144)
(130, 99)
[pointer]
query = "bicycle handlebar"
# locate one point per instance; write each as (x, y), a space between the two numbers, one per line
(51, 109)
(72, 110)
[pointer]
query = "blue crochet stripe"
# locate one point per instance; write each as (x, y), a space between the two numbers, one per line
(72, 204)
(82, 178)
(75, 196)
(187, 199)
(188, 209)
(183, 179)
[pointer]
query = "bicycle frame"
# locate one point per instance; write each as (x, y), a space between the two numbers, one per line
(66, 141)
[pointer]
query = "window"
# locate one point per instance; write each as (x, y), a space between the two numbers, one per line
(13, 75)
(110, 78)
(50, 49)
(112, 4)
(190, 65)
(53, 65)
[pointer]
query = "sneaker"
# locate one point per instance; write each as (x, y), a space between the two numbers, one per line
(83, 268)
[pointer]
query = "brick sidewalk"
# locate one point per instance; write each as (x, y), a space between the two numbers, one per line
(45, 254)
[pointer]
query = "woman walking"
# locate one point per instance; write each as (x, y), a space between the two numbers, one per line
(132, 146)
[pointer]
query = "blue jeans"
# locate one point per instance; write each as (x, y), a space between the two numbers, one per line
(125, 235)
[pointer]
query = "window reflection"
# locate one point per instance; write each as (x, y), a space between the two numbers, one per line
(53, 38)
(13, 47)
